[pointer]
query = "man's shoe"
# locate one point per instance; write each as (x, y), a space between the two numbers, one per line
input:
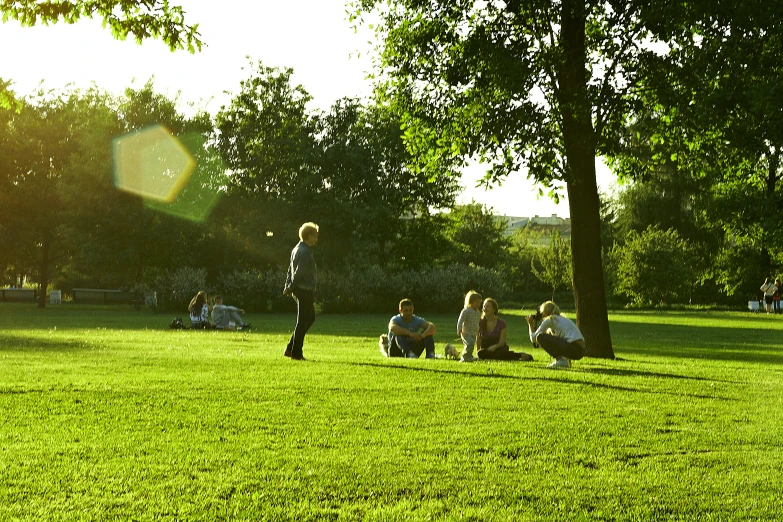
(467, 358)
(246, 326)
(287, 353)
(560, 363)
(297, 358)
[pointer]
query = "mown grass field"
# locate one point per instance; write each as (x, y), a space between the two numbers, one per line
(108, 415)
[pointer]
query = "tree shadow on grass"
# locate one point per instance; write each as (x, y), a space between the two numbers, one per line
(492, 375)
(599, 385)
(617, 372)
(566, 381)
(20, 343)
(699, 342)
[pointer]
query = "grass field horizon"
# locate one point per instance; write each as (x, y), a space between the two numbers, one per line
(109, 415)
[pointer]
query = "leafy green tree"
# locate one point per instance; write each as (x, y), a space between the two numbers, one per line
(123, 231)
(141, 19)
(478, 236)
(712, 118)
(267, 136)
(422, 242)
(739, 267)
(509, 82)
(39, 184)
(522, 252)
(555, 263)
(654, 266)
(366, 166)
(540, 85)
(347, 169)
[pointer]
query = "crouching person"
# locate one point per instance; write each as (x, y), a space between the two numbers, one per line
(557, 336)
(410, 335)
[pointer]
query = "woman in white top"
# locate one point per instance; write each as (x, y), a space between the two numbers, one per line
(769, 290)
(199, 311)
(558, 336)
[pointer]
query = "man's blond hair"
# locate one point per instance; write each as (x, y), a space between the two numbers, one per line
(307, 230)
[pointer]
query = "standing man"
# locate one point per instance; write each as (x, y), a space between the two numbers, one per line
(300, 284)
(410, 335)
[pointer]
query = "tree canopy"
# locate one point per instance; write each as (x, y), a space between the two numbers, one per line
(541, 86)
(141, 19)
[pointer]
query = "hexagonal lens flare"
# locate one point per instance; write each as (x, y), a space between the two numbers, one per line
(152, 163)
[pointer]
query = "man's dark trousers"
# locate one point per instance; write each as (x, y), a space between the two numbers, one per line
(305, 317)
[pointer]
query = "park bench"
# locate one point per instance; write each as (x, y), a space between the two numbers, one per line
(18, 294)
(102, 296)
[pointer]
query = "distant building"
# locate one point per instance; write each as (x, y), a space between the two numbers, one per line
(544, 224)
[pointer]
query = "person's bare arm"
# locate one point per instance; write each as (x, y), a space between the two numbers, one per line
(429, 329)
(399, 331)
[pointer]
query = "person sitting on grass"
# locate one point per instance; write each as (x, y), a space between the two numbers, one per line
(228, 317)
(491, 339)
(199, 311)
(557, 336)
(410, 335)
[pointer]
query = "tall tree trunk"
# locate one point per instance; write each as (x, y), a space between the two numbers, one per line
(580, 145)
(770, 184)
(44, 269)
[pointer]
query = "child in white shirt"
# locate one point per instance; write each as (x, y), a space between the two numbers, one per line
(468, 325)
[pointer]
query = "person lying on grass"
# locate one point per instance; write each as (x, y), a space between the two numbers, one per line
(557, 336)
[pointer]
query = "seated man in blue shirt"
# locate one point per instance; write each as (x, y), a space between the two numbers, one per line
(410, 335)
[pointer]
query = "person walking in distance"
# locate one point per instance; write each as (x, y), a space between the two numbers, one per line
(769, 290)
(300, 284)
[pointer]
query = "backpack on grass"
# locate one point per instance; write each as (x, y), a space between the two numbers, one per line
(177, 324)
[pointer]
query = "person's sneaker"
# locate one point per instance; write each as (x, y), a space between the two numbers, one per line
(467, 358)
(451, 352)
(246, 326)
(560, 363)
(430, 355)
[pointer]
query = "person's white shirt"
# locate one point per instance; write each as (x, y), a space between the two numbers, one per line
(559, 326)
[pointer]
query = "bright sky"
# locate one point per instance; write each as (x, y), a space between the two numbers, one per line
(313, 37)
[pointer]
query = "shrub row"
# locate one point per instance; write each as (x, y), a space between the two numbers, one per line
(367, 290)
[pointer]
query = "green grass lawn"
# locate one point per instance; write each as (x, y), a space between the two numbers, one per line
(106, 414)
